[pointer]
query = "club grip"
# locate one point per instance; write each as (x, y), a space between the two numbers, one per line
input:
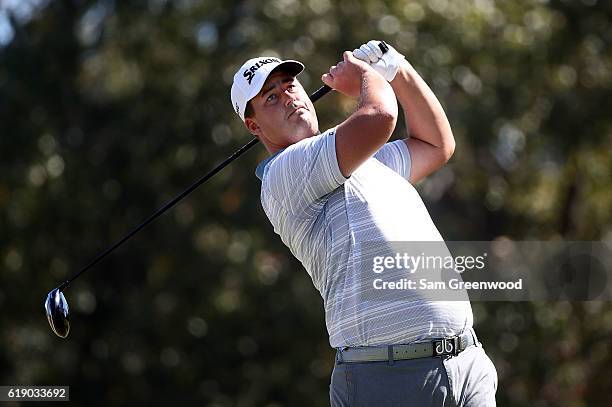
(319, 93)
(383, 47)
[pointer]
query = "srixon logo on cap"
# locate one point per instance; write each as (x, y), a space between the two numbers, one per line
(249, 74)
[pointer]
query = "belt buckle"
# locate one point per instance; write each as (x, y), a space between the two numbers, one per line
(446, 346)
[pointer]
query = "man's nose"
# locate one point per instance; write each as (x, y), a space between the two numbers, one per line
(290, 98)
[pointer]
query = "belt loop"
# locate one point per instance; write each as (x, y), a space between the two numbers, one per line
(339, 359)
(390, 353)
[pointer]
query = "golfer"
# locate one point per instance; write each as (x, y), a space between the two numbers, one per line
(326, 193)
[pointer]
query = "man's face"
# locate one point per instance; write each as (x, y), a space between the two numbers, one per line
(283, 111)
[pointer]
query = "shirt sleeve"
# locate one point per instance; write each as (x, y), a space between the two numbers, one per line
(396, 156)
(301, 175)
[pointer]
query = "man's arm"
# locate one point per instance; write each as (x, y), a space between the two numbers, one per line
(371, 125)
(431, 142)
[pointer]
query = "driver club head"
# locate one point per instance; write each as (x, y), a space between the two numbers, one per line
(56, 307)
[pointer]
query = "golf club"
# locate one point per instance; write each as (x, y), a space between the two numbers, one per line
(56, 306)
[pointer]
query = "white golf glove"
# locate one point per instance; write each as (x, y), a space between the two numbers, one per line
(386, 64)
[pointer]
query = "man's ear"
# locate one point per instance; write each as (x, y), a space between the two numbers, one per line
(252, 126)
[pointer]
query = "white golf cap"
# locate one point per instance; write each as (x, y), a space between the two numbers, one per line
(252, 75)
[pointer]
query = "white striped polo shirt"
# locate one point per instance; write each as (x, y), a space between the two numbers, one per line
(322, 217)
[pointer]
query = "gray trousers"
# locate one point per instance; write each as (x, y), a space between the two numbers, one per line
(468, 379)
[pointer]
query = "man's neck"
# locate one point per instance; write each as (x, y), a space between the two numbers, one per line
(274, 148)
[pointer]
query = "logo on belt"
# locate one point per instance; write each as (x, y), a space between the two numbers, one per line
(445, 347)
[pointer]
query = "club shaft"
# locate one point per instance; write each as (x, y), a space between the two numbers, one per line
(319, 93)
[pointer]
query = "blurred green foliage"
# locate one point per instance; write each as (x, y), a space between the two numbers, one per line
(109, 108)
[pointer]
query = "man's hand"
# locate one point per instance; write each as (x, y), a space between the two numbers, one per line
(346, 76)
(386, 64)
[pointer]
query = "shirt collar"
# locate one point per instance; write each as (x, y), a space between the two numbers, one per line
(259, 171)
